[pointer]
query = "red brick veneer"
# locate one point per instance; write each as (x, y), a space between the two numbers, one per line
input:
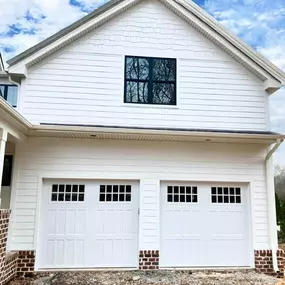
(10, 269)
(8, 263)
(264, 264)
(149, 260)
(26, 262)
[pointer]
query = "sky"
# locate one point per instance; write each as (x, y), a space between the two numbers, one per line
(260, 23)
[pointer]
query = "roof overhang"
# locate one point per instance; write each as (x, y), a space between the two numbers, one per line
(24, 127)
(272, 76)
(153, 134)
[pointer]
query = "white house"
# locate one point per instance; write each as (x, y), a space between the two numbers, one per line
(140, 139)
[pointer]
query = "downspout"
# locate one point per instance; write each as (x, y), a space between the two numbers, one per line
(271, 203)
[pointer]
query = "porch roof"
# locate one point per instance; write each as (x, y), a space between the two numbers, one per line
(21, 125)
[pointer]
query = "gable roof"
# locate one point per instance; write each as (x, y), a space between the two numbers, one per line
(187, 10)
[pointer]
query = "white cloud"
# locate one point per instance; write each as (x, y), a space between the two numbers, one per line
(46, 17)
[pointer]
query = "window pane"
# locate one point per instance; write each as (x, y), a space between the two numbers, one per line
(132, 70)
(150, 80)
(12, 94)
(137, 92)
(68, 188)
(143, 69)
(54, 197)
(164, 69)
(237, 191)
(164, 93)
(128, 197)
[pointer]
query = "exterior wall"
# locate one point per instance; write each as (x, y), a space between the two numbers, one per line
(10, 268)
(263, 262)
(12, 263)
(8, 262)
(149, 162)
(4, 224)
(26, 262)
(84, 83)
(149, 260)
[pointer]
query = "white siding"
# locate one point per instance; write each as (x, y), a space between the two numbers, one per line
(5, 81)
(84, 83)
(148, 162)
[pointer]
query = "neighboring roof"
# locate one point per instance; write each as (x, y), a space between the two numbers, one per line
(187, 10)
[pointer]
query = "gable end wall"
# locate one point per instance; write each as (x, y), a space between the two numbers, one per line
(84, 82)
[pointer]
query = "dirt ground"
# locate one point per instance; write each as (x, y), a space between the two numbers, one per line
(149, 278)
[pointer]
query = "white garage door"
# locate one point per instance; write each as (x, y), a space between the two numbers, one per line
(204, 225)
(88, 225)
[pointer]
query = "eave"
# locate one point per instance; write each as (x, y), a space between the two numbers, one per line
(152, 134)
(27, 129)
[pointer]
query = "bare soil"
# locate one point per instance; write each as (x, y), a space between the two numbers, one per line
(149, 278)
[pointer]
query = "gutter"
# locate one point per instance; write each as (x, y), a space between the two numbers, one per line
(271, 203)
(99, 129)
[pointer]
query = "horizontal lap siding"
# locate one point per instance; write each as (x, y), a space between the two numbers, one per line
(84, 83)
(149, 162)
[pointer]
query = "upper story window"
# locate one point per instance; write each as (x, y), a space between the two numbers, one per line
(150, 80)
(9, 93)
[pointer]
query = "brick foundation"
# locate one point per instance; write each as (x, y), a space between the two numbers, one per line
(26, 263)
(149, 260)
(264, 264)
(12, 263)
(10, 269)
(8, 262)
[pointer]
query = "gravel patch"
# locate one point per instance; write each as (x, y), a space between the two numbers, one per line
(148, 278)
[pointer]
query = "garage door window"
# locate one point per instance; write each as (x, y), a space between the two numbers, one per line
(68, 193)
(183, 194)
(225, 195)
(115, 193)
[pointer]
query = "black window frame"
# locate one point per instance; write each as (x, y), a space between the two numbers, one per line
(150, 81)
(5, 96)
(7, 172)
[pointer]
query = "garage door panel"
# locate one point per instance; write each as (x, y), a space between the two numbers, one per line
(210, 230)
(89, 230)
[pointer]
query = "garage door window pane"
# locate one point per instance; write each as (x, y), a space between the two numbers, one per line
(182, 194)
(226, 195)
(67, 193)
(115, 193)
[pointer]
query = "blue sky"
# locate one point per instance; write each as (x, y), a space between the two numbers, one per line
(260, 23)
